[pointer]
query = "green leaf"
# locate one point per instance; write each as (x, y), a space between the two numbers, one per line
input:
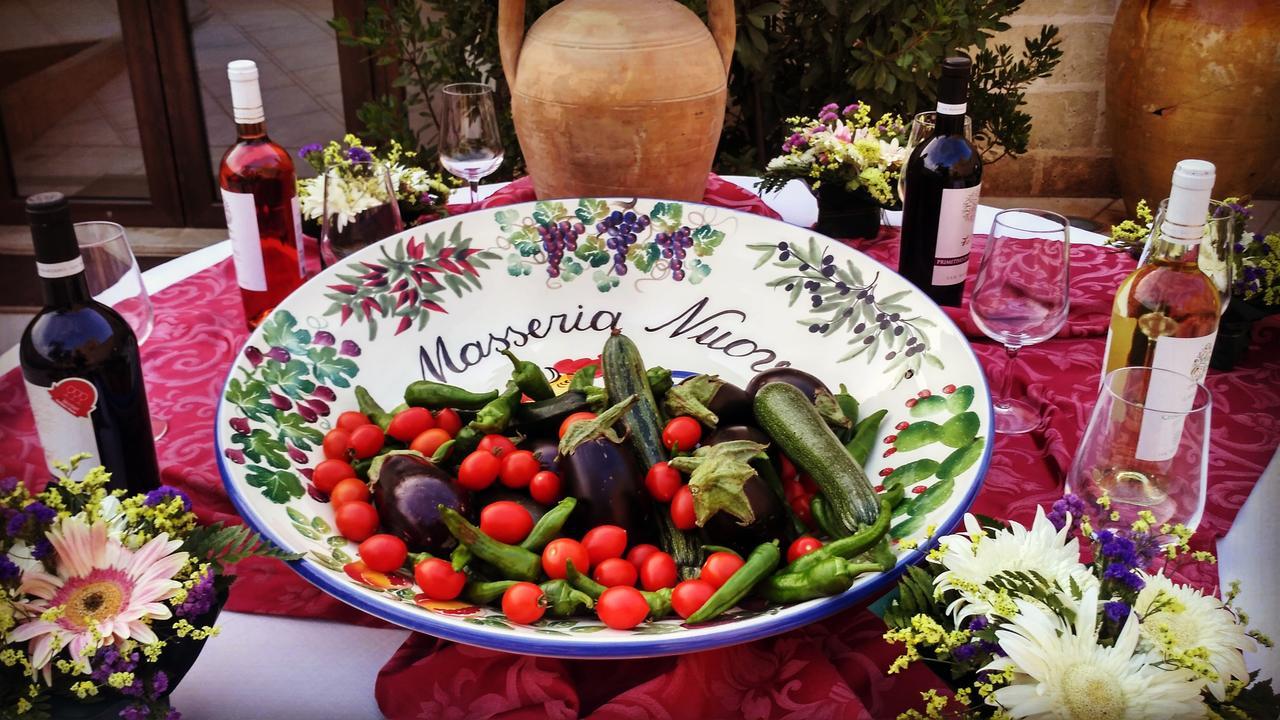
(932, 498)
(698, 271)
(261, 446)
(592, 251)
(545, 213)
(961, 399)
(279, 486)
(289, 378)
(590, 211)
(507, 219)
(517, 267)
(928, 406)
(643, 257)
(706, 239)
(306, 532)
(959, 430)
(252, 398)
(717, 476)
(320, 525)
(280, 330)
(570, 269)
(224, 545)
(331, 368)
(605, 281)
(293, 427)
(666, 215)
(336, 541)
(296, 515)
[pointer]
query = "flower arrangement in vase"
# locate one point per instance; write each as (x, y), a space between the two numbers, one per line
(849, 160)
(106, 598)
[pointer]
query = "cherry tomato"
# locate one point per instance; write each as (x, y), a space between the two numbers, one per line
(603, 542)
(449, 421)
(336, 444)
(522, 603)
(429, 441)
(615, 571)
(330, 472)
(383, 552)
(681, 433)
(657, 571)
(349, 490)
(575, 417)
(622, 607)
(518, 468)
(682, 512)
(478, 470)
(689, 596)
(802, 546)
(410, 423)
(438, 579)
(558, 551)
(356, 520)
(545, 487)
(800, 506)
(499, 445)
(638, 554)
(350, 420)
(720, 567)
(806, 482)
(663, 481)
(786, 468)
(367, 440)
(506, 521)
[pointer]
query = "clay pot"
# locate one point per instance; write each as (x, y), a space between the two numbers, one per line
(1193, 79)
(618, 97)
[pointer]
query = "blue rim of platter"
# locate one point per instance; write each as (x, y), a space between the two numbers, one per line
(421, 620)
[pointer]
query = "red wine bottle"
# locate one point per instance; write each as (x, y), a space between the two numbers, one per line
(80, 362)
(259, 197)
(943, 177)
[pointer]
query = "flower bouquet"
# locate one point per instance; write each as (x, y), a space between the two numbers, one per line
(1062, 620)
(105, 597)
(851, 162)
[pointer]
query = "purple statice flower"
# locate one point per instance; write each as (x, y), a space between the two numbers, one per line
(359, 155)
(42, 549)
(1121, 550)
(159, 683)
(828, 116)
(162, 494)
(173, 714)
(965, 652)
(1116, 610)
(1069, 507)
(8, 570)
(850, 109)
(199, 599)
(16, 524)
(306, 150)
(134, 689)
(1124, 575)
(136, 711)
(108, 660)
(42, 513)
(830, 108)
(978, 624)
(8, 485)
(1238, 247)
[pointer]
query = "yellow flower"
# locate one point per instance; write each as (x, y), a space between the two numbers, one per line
(84, 689)
(120, 680)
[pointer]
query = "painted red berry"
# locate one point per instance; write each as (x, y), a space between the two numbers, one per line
(924, 393)
(886, 472)
(918, 489)
(911, 403)
(901, 426)
(888, 439)
(890, 451)
(949, 389)
(879, 488)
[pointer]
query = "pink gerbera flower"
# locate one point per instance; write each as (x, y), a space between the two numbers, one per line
(107, 592)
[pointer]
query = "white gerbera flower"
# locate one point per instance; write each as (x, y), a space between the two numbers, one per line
(1180, 623)
(974, 557)
(1062, 673)
(105, 591)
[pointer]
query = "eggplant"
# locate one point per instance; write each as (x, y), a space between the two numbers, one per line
(726, 433)
(545, 416)
(770, 522)
(807, 383)
(545, 449)
(605, 478)
(408, 490)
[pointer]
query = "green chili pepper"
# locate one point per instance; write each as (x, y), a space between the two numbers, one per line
(361, 467)
(549, 525)
(864, 436)
(659, 380)
(434, 395)
(849, 406)
(460, 557)
(882, 555)
(371, 408)
(496, 414)
(564, 600)
(848, 547)
(464, 442)
(512, 561)
(530, 378)
(584, 378)
(659, 600)
(894, 494)
(759, 565)
(443, 452)
(764, 468)
(830, 576)
(822, 515)
(708, 549)
(483, 593)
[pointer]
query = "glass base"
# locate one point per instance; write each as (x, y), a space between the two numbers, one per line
(159, 428)
(1014, 417)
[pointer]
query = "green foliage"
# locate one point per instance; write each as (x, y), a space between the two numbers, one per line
(915, 597)
(790, 58)
(224, 545)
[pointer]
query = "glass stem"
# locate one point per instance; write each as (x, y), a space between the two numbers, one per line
(1006, 392)
(475, 191)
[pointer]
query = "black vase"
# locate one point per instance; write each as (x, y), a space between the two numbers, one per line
(847, 214)
(1235, 333)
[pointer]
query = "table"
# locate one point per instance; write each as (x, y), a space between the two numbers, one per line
(240, 674)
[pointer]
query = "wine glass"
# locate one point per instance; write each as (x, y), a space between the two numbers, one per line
(470, 147)
(360, 208)
(1020, 296)
(921, 128)
(114, 279)
(1146, 448)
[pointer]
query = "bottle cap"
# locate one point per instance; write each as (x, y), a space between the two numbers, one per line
(953, 88)
(53, 235)
(246, 95)
(1188, 205)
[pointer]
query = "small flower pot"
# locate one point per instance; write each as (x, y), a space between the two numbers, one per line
(843, 214)
(1235, 333)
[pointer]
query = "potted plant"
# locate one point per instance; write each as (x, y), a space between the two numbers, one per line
(849, 161)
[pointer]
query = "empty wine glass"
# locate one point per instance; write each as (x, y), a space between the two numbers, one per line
(1020, 296)
(360, 208)
(921, 128)
(115, 280)
(470, 147)
(1146, 448)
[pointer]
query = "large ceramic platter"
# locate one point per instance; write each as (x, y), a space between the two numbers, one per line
(441, 300)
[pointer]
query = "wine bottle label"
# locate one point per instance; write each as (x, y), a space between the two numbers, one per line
(246, 243)
(63, 269)
(64, 420)
(952, 108)
(1161, 431)
(955, 228)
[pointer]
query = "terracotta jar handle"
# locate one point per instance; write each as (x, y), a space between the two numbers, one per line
(511, 36)
(724, 28)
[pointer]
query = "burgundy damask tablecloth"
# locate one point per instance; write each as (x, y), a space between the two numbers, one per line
(830, 669)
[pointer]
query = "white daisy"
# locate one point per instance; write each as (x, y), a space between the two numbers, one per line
(974, 557)
(1183, 621)
(1062, 673)
(106, 591)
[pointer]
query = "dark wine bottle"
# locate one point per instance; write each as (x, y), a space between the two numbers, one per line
(943, 178)
(80, 362)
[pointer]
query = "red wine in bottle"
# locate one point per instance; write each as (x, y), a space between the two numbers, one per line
(80, 363)
(943, 177)
(259, 197)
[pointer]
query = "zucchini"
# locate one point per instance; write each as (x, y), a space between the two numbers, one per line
(546, 415)
(787, 416)
(624, 376)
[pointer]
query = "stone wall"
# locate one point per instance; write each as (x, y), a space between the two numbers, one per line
(1069, 154)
